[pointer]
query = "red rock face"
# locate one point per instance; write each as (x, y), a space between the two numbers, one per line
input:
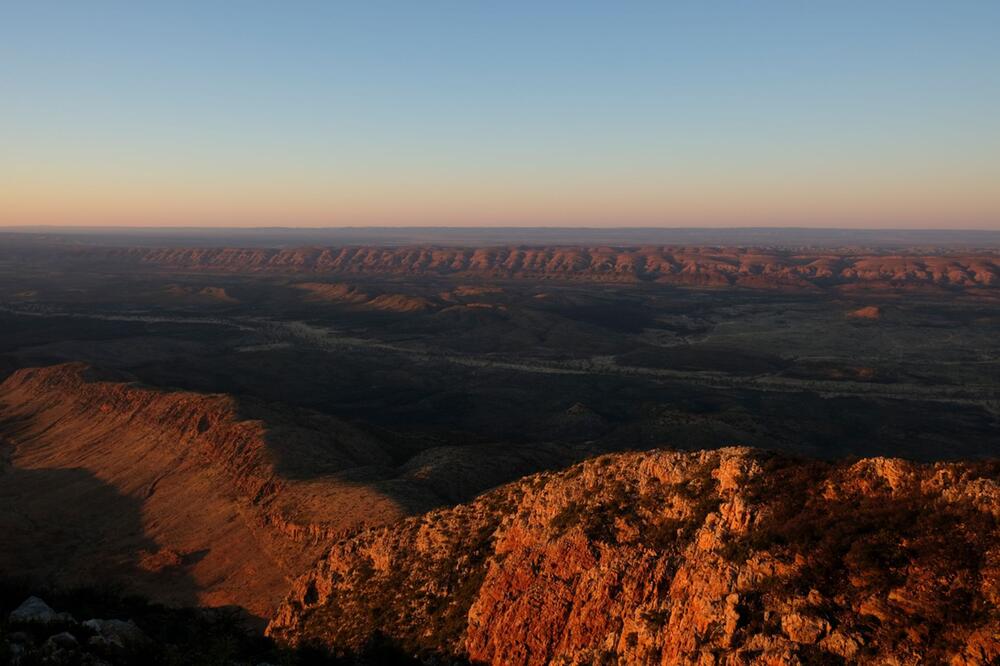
(698, 266)
(729, 556)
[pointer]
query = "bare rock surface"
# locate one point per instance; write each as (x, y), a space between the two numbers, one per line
(867, 312)
(732, 556)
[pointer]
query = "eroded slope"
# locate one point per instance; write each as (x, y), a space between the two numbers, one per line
(191, 498)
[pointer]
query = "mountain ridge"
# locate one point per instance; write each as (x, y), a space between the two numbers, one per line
(228, 497)
(685, 266)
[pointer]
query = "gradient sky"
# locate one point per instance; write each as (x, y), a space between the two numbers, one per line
(871, 114)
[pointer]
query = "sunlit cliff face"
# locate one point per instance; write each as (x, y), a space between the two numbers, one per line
(673, 558)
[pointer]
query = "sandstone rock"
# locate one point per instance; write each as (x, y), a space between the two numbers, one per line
(803, 628)
(161, 560)
(840, 644)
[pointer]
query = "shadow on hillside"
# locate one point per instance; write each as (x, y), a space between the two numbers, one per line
(65, 528)
(306, 446)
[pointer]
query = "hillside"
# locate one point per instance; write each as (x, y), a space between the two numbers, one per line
(729, 556)
(724, 557)
(188, 498)
(345, 294)
(206, 499)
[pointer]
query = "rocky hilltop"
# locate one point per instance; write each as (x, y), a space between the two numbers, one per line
(694, 266)
(731, 556)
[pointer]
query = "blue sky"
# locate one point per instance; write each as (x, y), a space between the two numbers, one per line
(846, 114)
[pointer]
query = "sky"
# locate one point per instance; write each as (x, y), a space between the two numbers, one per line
(840, 114)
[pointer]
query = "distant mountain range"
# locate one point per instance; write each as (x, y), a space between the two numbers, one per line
(701, 266)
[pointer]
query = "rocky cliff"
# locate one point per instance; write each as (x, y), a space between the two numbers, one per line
(724, 557)
(695, 266)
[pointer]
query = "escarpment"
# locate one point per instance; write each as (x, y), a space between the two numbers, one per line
(195, 498)
(676, 265)
(732, 556)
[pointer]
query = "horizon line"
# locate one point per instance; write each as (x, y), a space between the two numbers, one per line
(29, 227)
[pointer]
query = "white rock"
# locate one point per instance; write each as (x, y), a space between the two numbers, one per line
(36, 611)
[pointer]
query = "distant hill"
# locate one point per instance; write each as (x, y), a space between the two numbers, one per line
(701, 266)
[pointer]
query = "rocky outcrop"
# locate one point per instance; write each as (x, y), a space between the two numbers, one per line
(872, 312)
(42, 636)
(35, 611)
(724, 557)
